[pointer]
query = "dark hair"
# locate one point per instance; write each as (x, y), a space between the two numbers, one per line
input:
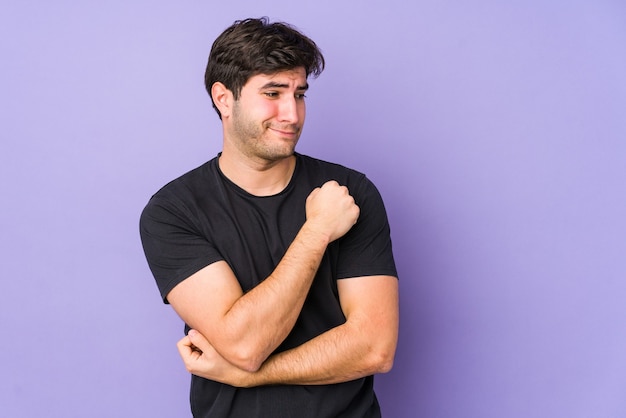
(254, 46)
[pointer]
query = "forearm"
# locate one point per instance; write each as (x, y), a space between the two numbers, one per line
(365, 344)
(344, 353)
(332, 357)
(262, 318)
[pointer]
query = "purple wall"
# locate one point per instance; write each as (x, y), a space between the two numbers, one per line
(496, 131)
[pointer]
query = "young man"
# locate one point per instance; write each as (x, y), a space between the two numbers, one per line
(279, 264)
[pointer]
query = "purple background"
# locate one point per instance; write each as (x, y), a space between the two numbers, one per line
(496, 132)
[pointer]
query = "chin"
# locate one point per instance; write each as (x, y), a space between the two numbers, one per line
(277, 156)
(279, 153)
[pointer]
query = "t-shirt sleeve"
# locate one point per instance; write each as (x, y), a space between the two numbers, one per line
(174, 246)
(366, 249)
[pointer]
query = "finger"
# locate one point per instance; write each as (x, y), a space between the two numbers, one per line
(199, 341)
(187, 353)
(185, 346)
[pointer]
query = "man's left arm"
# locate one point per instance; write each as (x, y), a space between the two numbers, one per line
(364, 345)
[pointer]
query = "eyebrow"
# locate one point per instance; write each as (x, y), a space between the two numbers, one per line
(275, 85)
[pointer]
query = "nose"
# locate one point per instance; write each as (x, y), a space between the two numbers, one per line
(290, 109)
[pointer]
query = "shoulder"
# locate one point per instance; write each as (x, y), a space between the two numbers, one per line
(360, 186)
(188, 182)
(325, 170)
(181, 196)
(189, 186)
(316, 163)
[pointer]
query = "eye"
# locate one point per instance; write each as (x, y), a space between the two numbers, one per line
(271, 94)
(300, 96)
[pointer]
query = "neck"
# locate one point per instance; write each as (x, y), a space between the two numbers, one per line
(258, 177)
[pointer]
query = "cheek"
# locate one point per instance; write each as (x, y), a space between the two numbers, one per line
(265, 109)
(258, 110)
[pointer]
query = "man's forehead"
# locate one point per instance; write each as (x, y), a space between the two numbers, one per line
(292, 77)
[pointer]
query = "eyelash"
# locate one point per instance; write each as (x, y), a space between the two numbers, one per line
(274, 94)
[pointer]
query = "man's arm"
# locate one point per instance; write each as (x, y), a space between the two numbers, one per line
(365, 344)
(246, 328)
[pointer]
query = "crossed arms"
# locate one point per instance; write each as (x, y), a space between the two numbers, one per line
(234, 333)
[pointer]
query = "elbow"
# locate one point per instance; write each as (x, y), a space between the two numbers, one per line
(250, 366)
(383, 361)
(247, 360)
(381, 357)
(386, 366)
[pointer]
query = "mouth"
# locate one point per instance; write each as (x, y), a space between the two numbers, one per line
(285, 132)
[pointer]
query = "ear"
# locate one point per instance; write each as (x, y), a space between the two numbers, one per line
(223, 98)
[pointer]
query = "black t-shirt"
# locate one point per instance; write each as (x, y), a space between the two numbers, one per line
(202, 217)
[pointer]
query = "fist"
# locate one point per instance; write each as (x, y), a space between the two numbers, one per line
(331, 210)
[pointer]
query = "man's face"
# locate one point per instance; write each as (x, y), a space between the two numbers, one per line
(268, 117)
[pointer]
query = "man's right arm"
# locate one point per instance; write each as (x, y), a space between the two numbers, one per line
(246, 328)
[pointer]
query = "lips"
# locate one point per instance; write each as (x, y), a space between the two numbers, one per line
(287, 132)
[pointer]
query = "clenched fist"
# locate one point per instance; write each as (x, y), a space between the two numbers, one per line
(331, 210)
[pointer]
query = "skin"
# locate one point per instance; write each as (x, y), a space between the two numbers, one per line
(261, 130)
(234, 333)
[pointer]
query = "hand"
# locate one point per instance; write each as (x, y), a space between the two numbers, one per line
(331, 210)
(201, 359)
